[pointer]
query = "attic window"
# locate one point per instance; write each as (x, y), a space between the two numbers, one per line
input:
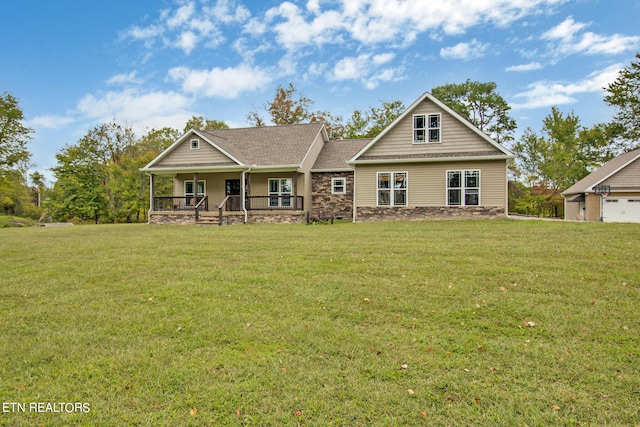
(426, 128)
(195, 144)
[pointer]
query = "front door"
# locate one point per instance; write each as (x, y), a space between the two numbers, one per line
(232, 188)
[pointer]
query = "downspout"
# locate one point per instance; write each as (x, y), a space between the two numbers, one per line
(244, 200)
(355, 205)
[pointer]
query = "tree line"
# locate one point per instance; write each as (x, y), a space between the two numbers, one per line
(98, 178)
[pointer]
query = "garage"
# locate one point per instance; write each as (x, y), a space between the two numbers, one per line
(621, 210)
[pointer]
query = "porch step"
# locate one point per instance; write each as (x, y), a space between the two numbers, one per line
(208, 221)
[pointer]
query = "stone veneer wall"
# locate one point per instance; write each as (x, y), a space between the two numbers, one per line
(324, 204)
(371, 214)
(175, 218)
(188, 218)
(284, 218)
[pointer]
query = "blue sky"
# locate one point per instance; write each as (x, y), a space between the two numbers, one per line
(149, 64)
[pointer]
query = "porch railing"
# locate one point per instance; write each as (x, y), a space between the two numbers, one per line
(229, 204)
(256, 203)
(172, 203)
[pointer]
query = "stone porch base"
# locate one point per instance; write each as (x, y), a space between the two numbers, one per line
(229, 218)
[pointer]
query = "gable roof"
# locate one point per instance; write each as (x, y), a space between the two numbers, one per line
(586, 184)
(336, 153)
(265, 146)
(499, 152)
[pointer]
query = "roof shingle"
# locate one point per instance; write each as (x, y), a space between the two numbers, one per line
(266, 145)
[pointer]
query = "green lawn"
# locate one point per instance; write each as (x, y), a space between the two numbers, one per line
(481, 323)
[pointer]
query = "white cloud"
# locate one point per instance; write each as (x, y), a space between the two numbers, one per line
(366, 69)
(465, 51)
(532, 66)
(125, 78)
(225, 83)
(567, 38)
(546, 93)
(182, 15)
(187, 41)
(132, 105)
(565, 31)
(191, 24)
(49, 121)
(396, 21)
(226, 11)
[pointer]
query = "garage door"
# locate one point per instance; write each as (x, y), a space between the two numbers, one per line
(621, 210)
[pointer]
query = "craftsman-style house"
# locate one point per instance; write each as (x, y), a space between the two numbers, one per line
(429, 163)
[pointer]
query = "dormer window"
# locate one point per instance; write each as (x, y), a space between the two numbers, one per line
(195, 144)
(426, 128)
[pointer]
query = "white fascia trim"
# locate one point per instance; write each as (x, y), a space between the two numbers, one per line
(173, 171)
(325, 138)
(183, 138)
(433, 160)
(332, 170)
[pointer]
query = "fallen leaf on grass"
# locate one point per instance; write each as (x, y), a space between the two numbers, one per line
(503, 289)
(477, 400)
(411, 392)
(555, 407)
(528, 324)
(193, 412)
(150, 299)
(297, 413)
(424, 413)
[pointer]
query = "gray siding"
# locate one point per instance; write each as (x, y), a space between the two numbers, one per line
(456, 137)
(426, 184)
(627, 178)
(183, 154)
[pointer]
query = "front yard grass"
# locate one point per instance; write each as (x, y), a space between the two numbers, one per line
(478, 323)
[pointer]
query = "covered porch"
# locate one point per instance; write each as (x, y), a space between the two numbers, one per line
(217, 198)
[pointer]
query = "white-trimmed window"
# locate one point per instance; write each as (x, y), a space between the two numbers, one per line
(426, 128)
(280, 192)
(338, 185)
(392, 188)
(188, 188)
(195, 144)
(463, 188)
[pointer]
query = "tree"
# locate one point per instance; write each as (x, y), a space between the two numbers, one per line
(89, 175)
(14, 156)
(289, 106)
(79, 191)
(565, 152)
(373, 121)
(333, 124)
(14, 136)
(624, 95)
(482, 105)
(39, 184)
(199, 123)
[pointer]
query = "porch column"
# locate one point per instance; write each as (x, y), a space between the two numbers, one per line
(295, 190)
(152, 191)
(245, 195)
(195, 188)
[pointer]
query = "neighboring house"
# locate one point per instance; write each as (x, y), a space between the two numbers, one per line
(610, 193)
(428, 163)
